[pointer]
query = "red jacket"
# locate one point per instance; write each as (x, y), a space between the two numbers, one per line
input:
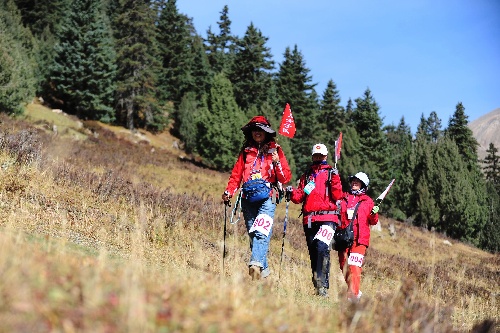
(243, 169)
(364, 218)
(319, 205)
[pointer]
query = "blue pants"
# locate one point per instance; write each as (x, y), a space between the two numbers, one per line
(259, 243)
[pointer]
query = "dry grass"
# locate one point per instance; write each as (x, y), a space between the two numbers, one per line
(108, 234)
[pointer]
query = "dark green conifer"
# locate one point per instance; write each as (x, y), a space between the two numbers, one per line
(374, 147)
(251, 70)
(138, 66)
(219, 136)
(17, 62)
(82, 74)
(221, 48)
(492, 166)
(401, 163)
(188, 114)
(43, 15)
(293, 85)
(434, 127)
(459, 131)
(175, 42)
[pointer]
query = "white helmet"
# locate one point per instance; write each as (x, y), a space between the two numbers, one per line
(319, 148)
(361, 176)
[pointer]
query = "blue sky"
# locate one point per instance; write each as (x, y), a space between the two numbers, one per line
(416, 56)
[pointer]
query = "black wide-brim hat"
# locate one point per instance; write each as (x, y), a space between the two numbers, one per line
(259, 122)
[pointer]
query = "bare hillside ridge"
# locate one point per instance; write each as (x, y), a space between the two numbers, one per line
(486, 130)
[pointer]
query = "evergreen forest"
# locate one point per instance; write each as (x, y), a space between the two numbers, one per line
(143, 65)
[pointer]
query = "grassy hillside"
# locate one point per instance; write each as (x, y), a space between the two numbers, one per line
(102, 230)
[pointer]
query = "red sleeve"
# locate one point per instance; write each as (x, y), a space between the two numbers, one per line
(372, 219)
(282, 170)
(336, 188)
(298, 194)
(236, 176)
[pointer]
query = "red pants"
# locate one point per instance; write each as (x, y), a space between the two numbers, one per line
(352, 273)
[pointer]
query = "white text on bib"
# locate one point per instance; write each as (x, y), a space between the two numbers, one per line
(355, 259)
(325, 234)
(262, 223)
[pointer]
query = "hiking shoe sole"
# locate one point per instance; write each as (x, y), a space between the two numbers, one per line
(254, 272)
(322, 291)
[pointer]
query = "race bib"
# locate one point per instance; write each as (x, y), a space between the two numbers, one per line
(355, 259)
(325, 234)
(263, 224)
(309, 187)
(350, 213)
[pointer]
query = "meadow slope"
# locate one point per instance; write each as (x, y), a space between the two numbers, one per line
(103, 230)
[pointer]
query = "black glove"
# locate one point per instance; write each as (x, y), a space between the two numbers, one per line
(288, 193)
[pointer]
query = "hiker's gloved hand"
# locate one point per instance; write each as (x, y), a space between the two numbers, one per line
(288, 193)
(375, 209)
(334, 171)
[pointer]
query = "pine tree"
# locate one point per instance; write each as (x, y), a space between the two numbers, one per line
(188, 113)
(42, 15)
(373, 141)
(17, 62)
(463, 136)
(43, 18)
(423, 131)
(460, 193)
(83, 72)
(330, 116)
(293, 85)
(333, 114)
(349, 109)
(400, 151)
(175, 48)
(201, 73)
(138, 66)
(490, 237)
(221, 48)
(492, 167)
(219, 136)
(250, 72)
(421, 203)
(434, 127)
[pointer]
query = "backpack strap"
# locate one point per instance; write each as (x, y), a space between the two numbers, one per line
(350, 226)
(329, 182)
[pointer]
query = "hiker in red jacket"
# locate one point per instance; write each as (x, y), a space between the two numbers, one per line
(261, 164)
(356, 205)
(319, 189)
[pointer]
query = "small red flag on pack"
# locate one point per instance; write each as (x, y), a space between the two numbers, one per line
(287, 126)
(338, 147)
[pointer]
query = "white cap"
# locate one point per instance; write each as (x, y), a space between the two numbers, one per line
(361, 176)
(319, 148)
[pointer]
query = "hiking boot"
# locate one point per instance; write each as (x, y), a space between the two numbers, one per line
(254, 272)
(322, 291)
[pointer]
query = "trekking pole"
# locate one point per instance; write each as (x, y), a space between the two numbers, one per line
(235, 209)
(284, 233)
(226, 204)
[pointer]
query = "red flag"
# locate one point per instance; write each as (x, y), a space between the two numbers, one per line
(287, 127)
(382, 196)
(338, 147)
